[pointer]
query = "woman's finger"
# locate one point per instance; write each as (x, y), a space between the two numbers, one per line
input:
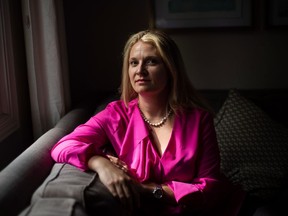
(118, 163)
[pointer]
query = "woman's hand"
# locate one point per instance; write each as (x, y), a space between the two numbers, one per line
(147, 187)
(117, 180)
(118, 163)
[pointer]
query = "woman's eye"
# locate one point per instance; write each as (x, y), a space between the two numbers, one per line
(151, 61)
(133, 63)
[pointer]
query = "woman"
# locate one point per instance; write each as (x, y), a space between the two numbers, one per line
(166, 159)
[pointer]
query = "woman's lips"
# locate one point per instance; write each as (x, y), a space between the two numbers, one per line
(142, 80)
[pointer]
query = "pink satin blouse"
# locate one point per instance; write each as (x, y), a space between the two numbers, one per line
(189, 164)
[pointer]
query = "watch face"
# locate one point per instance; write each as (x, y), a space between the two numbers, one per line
(158, 192)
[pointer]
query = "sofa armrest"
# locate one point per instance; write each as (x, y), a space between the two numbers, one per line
(25, 174)
(22, 176)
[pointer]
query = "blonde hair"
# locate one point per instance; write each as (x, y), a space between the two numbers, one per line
(182, 94)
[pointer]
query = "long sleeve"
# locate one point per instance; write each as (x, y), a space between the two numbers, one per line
(106, 128)
(78, 146)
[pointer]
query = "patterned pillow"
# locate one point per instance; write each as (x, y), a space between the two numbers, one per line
(253, 147)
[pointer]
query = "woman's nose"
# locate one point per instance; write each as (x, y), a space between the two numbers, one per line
(141, 69)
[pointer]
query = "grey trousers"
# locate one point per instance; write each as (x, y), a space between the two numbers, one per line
(68, 191)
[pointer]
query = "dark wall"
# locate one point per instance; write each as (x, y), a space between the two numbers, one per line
(96, 33)
(219, 58)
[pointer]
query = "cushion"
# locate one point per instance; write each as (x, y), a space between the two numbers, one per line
(253, 147)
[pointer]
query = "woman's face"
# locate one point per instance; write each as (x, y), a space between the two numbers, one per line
(147, 72)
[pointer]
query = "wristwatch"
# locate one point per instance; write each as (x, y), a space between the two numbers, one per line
(158, 192)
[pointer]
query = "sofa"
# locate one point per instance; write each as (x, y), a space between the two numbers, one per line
(252, 132)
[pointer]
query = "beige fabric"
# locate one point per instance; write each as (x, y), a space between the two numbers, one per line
(47, 62)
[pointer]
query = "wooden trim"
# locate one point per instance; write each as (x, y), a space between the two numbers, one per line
(9, 116)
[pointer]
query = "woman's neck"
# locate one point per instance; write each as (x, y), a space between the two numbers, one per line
(153, 108)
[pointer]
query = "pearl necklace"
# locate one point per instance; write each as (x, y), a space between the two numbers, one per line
(158, 124)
